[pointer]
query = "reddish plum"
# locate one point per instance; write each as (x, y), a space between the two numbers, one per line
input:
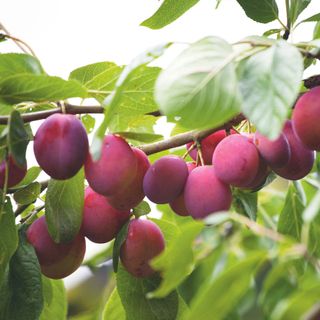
(15, 174)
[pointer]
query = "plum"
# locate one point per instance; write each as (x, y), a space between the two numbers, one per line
(101, 222)
(204, 193)
(56, 260)
(115, 169)
(144, 241)
(61, 146)
(301, 158)
(165, 179)
(15, 175)
(306, 118)
(132, 194)
(236, 160)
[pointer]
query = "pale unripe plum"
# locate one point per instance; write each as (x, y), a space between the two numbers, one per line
(236, 160)
(101, 222)
(165, 179)
(144, 241)
(115, 169)
(15, 174)
(61, 146)
(57, 261)
(306, 119)
(261, 176)
(178, 204)
(132, 194)
(276, 153)
(204, 193)
(301, 158)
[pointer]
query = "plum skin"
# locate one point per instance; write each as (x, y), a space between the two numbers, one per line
(114, 170)
(16, 173)
(205, 194)
(144, 241)
(101, 222)
(133, 193)
(61, 146)
(301, 159)
(165, 179)
(236, 160)
(306, 117)
(57, 261)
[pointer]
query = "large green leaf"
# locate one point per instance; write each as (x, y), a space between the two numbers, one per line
(199, 88)
(64, 206)
(132, 292)
(113, 309)
(270, 82)
(260, 10)
(296, 7)
(245, 203)
(169, 11)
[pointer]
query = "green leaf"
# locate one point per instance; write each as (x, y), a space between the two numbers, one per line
(32, 174)
(119, 240)
(260, 10)
(21, 293)
(316, 31)
(18, 138)
(313, 18)
(212, 300)
(271, 32)
(290, 220)
(64, 206)
(132, 292)
(88, 122)
(141, 136)
(246, 203)
(28, 87)
(100, 257)
(177, 260)
(28, 194)
(169, 11)
(199, 88)
(270, 82)
(55, 299)
(8, 238)
(295, 9)
(142, 209)
(114, 310)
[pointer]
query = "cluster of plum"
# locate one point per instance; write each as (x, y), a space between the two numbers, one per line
(123, 176)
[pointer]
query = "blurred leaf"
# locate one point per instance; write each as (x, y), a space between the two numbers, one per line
(169, 11)
(200, 88)
(28, 194)
(295, 9)
(32, 174)
(313, 18)
(64, 206)
(88, 122)
(316, 31)
(246, 203)
(169, 230)
(260, 10)
(113, 309)
(132, 292)
(142, 209)
(55, 300)
(270, 82)
(100, 257)
(271, 32)
(140, 136)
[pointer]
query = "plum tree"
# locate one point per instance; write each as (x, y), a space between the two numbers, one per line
(115, 169)
(204, 193)
(236, 160)
(15, 173)
(165, 179)
(301, 158)
(133, 193)
(306, 117)
(101, 222)
(61, 146)
(276, 153)
(144, 241)
(56, 260)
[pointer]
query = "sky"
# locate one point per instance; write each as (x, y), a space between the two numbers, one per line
(67, 34)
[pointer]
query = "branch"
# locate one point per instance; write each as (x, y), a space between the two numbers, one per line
(312, 82)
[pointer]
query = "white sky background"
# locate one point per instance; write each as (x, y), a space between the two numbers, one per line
(66, 34)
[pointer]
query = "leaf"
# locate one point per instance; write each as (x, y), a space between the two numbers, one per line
(18, 138)
(177, 261)
(88, 122)
(113, 309)
(142, 209)
(132, 292)
(295, 9)
(169, 11)
(28, 194)
(260, 10)
(64, 206)
(211, 300)
(100, 257)
(22, 289)
(199, 88)
(8, 238)
(271, 32)
(32, 174)
(316, 31)
(290, 220)
(119, 240)
(28, 87)
(313, 18)
(246, 203)
(141, 136)
(270, 82)
(55, 299)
